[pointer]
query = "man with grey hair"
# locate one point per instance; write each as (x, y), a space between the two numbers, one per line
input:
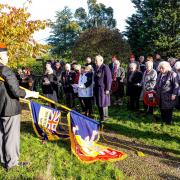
(102, 80)
(10, 93)
(172, 62)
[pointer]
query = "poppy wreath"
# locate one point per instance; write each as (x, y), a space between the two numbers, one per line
(114, 86)
(150, 98)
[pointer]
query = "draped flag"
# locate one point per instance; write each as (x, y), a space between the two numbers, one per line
(84, 137)
(46, 122)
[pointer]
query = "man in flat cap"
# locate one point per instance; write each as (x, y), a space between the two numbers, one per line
(10, 93)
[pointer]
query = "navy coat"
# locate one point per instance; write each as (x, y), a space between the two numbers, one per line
(166, 87)
(102, 80)
(9, 93)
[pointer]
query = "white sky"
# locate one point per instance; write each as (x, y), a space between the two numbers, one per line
(46, 9)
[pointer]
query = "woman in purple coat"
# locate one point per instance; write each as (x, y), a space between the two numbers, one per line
(102, 80)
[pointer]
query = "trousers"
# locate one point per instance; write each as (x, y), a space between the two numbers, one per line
(10, 140)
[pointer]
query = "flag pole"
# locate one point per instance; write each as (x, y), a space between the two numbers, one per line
(45, 98)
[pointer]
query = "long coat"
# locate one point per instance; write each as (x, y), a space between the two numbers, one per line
(148, 81)
(133, 85)
(102, 80)
(167, 86)
(67, 79)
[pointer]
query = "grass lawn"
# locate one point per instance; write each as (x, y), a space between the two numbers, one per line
(54, 160)
(145, 129)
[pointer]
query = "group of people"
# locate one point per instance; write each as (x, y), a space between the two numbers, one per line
(97, 81)
(82, 82)
(90, 82)
(159, 76)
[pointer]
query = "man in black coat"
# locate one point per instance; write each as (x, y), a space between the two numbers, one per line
(10, 113)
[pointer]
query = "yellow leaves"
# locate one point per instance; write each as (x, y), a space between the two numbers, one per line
(16, 32)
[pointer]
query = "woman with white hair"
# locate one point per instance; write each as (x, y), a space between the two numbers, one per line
(67, 80)
(134, 88)
(167, 90)
(48, 84)
(177, 70)
(148, 83)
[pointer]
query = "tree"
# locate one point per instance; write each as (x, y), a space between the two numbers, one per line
(64, 32)
(154, 27)
(98, 16)
(102, 41)
(68, 26)
(16, 32)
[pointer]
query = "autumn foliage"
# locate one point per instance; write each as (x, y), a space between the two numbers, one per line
(16, 31)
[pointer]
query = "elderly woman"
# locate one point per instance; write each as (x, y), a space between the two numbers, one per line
(48, 85)
(167, 90)
(67, 80)
(85, 89)
(134, 86)
(118, 75)
(148, 83)
(177, 70)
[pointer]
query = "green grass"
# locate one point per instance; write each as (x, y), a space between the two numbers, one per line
(143, 128)
(54, 160)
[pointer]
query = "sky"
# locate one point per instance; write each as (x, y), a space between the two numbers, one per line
(46, 9)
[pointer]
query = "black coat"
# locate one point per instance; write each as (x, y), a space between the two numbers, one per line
(133, 86)
(9, 93)
(167, 86)
(67, 81)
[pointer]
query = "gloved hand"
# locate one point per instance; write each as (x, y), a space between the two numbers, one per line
(33, 94)
(107, 92)
(82, 86)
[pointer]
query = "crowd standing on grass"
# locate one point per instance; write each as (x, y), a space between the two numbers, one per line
(146, 80)
(94, 82)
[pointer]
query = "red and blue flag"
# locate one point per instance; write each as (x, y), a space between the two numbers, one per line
(46, 121)
(84, 140)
